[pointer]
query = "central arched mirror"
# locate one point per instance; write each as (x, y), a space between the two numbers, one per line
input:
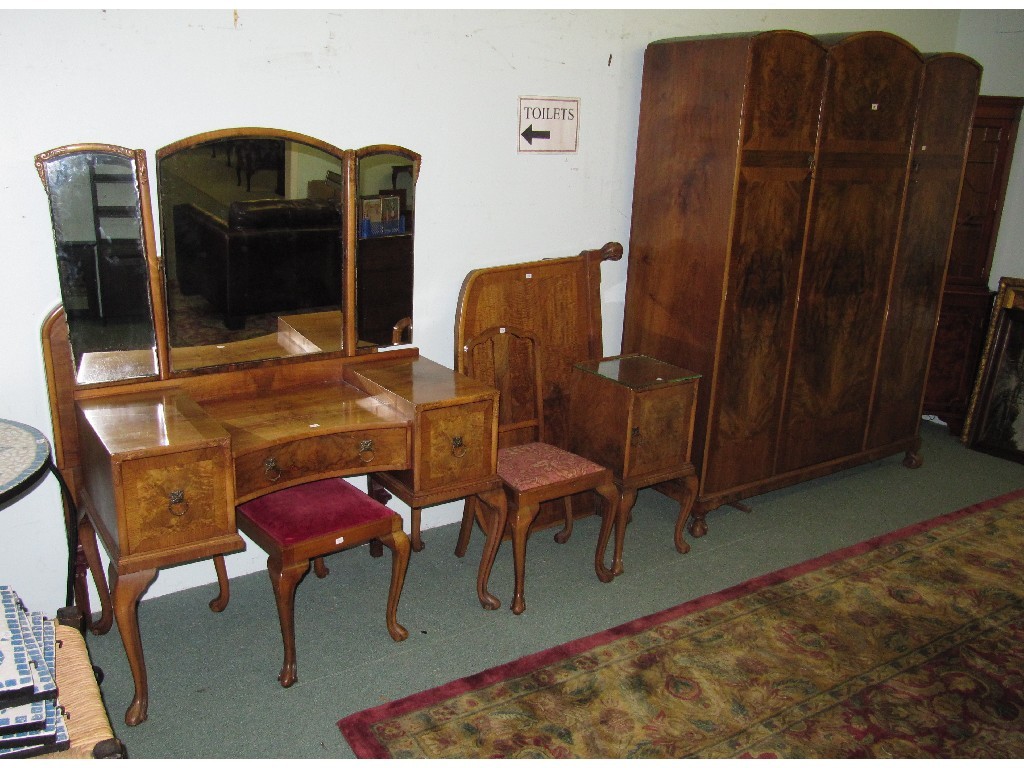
(253, 240)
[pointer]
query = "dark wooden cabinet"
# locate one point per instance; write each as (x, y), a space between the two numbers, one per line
(792, 213)
(967, 300)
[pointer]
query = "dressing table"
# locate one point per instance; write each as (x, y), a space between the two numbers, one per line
(168, 417)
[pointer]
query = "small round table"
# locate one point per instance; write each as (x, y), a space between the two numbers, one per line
(25, 457)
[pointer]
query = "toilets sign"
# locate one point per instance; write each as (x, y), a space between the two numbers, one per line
(548, 124)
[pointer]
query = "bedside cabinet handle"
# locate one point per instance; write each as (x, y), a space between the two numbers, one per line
(271, 470)
(459, 448)
(176, 503)
(366, 453)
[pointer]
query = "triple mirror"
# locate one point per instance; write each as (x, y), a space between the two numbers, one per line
(272, 244)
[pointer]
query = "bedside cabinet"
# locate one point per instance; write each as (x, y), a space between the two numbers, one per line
(634, 415)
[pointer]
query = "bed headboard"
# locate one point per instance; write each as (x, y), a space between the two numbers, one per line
(558, 300)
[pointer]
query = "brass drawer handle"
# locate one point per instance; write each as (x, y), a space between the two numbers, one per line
(366, 454)
(459, 448)
(271, 470)
(176, 503)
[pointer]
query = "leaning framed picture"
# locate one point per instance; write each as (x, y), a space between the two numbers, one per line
(995, 417)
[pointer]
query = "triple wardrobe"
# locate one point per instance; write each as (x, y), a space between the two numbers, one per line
(793, 207)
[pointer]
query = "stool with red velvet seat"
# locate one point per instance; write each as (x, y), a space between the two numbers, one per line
(305, 522)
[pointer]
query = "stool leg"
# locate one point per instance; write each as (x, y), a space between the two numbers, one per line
(284, 581)
(320, 568)
(398, 543)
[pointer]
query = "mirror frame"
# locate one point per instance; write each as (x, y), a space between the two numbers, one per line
(153, 266)
(156, 264)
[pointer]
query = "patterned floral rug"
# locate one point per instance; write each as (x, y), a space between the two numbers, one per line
(909, 645)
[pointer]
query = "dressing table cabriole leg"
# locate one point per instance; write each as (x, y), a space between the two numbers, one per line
(470, 514)
(612, 516)
(127, 588)
(377, 492)
(220, 602)
(417, 542)
(284, 580)
(87, 541)
(81, 585)
(398, 543)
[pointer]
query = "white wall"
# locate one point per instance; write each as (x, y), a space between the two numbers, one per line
(444, 83)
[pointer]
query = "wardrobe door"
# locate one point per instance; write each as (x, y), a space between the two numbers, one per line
(867, 121)
(937, 162)
(782, 104)
(682, 201)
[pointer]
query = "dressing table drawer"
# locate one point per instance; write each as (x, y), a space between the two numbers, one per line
(175, 500)
(156, 480)
(454, 444)
(357, 452)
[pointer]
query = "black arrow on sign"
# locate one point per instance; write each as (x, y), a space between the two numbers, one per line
(529, 134)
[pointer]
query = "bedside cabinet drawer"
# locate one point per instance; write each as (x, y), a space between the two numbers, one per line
(355, 452)
(175, 500)
(455, 444)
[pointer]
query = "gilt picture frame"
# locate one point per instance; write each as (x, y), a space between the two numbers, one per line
(995, 417)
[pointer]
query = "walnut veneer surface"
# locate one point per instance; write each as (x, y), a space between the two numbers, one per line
(558, 301)
(800, 268)
(158, 465)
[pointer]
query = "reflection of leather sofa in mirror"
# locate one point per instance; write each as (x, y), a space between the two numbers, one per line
(253, 239)
(386, 180)
(98, 198)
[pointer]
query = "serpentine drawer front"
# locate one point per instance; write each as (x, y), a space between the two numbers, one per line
(364, 450)
(307, 433)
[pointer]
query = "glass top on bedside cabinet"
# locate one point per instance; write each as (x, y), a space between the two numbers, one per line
(637, 371)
